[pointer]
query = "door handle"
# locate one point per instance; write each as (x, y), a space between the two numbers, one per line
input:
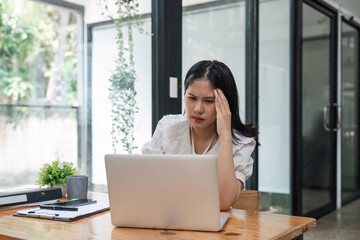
(325, 118)
(338, 117)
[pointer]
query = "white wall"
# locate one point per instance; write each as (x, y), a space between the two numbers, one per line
(274, 97)
(217, 33)
(103, 65)
(93, 9)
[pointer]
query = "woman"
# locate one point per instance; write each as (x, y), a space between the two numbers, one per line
(212, 125)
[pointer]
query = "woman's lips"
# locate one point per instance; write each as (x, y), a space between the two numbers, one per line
(198, 119)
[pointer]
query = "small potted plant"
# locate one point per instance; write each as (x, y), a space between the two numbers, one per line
(54, 175)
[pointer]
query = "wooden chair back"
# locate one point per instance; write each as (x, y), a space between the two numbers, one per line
(249, 200)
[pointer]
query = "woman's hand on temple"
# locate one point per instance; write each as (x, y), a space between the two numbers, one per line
(229, 187)
(223, 115)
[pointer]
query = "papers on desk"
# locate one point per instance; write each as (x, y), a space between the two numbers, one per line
(67, 216)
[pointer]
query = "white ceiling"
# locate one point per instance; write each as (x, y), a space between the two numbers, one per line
(349, 8)
(352, 6)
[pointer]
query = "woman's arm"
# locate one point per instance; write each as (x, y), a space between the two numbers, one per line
(229, 185)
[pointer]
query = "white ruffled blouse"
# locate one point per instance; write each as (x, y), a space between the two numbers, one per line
(172, 136)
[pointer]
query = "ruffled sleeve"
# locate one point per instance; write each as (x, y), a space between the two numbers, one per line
(171, 136)
(155, 146)
(243, 162)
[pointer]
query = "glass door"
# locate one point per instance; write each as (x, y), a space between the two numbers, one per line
(349, 110)
(318, 140)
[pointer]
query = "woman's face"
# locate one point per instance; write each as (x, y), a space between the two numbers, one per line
(200, 104)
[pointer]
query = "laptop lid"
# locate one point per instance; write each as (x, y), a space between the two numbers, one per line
(164, 191)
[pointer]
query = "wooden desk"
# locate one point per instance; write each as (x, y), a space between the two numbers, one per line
(241, 225)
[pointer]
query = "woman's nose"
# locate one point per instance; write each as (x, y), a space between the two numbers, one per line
(198, 108)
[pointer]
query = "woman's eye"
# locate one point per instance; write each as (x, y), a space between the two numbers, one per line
(192, 98)
(209, 101)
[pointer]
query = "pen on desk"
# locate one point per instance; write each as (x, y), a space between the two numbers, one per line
(59, 208)
(40, 216)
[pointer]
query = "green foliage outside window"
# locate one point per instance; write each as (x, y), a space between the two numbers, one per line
(122, 91)
(38, 62)
(16, 41)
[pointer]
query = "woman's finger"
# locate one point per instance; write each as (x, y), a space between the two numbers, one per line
(218, 102)
(224, 100)
(222, 114)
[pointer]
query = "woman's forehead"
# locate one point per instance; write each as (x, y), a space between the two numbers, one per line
(201, 82)
(201, 88)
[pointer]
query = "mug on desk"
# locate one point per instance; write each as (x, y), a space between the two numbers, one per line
(77, 186)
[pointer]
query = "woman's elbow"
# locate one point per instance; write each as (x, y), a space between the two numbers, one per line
(224, 207)
(225, 204)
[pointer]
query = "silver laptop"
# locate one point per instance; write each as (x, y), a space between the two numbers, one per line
(164, 191)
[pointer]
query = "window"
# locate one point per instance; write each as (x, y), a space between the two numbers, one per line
(40, 73)
(274, 105)
(216, 31)
(103, 60)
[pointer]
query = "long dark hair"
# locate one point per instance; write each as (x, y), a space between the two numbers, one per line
(221, 77)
